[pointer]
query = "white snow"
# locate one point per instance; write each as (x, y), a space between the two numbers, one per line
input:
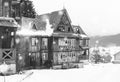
(4, 68)
(60, 12)
(27, 31)
(90, 73)
(83, 36)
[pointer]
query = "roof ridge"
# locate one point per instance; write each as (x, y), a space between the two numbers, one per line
(117, 53)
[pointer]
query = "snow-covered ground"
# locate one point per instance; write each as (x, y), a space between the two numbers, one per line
(90, 73)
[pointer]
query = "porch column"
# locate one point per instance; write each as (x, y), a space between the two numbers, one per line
(50, 49)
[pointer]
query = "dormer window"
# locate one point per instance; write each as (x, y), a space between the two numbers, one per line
(61, 28)
(34, 27)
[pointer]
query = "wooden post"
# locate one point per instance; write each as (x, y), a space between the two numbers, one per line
(50, 49)
(40, 51)
(4, 79)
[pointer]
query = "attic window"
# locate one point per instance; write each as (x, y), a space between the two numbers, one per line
(34, 27)
(61, 28)
(78, 31)
(69, 29)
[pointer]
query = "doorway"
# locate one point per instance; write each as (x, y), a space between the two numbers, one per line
(34, 60)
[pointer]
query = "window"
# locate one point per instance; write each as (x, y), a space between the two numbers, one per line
(6, 9)
(87, 42)
(44, 43)
(34, 41)
(34, 44)
(44, 56)
(69, 29)
(15, 10)
(65, 43)
(7, 39)
(61, 28)
(84, 42)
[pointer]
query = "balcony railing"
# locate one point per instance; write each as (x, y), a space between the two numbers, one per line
(8, 54)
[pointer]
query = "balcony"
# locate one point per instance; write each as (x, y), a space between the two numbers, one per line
(8, 54)
(16, 1)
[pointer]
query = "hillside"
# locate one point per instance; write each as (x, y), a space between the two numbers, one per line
(111, 40)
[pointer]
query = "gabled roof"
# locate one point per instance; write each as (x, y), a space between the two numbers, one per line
(79, 30)
(53, 17)
(52, 20)
(118, 53)
(27, 23)
(8, 22)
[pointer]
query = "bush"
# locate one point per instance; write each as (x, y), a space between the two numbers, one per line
(96, 58)
(106, 59)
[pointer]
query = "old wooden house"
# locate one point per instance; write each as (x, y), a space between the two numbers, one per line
(44, 41)
(8, 28)
(50, 39)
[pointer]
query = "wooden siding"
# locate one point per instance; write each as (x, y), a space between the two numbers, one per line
(0, 8)
(117, 56)
(65, 51)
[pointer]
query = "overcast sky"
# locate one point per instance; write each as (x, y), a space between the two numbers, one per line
(96, 17)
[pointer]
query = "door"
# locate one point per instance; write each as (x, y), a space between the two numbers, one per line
(35, 60)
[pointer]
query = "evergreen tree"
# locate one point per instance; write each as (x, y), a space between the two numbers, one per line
(96, 57)
(27, 9)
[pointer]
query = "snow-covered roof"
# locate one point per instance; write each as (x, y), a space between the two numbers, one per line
(44, 25)
(78, 30)
(26, 32)
(8, 22)
(118, 53)
(27, 28)
(83, 36)
(64, 34)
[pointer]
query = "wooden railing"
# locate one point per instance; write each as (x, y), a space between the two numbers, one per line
(8, 54)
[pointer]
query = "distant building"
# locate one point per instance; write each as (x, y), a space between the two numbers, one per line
(117, 56)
